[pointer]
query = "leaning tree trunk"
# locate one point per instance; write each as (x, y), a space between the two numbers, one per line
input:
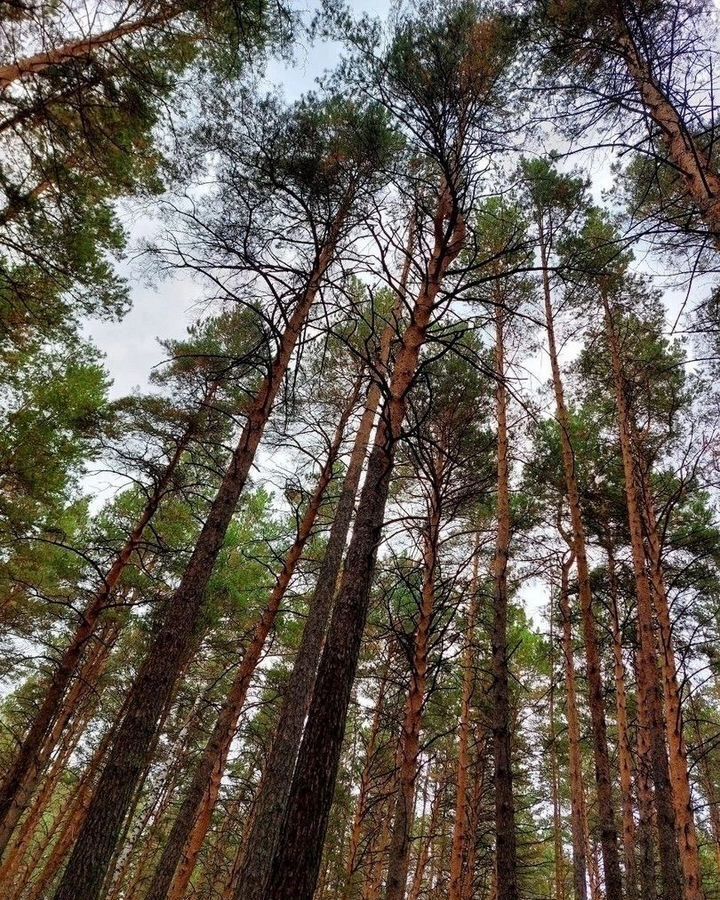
(651, 739)
(270, 806)
(458, 853)
(25, 772)
(409, 746)
(701, 177)
(596, 694)
(193, 820)
(173, 644)
(577, 790)
(299, 849)
(505, 831)
(83, 48)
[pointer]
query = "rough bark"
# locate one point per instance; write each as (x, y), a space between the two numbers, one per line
(256, 857)
(505, 832)
(192, 822)
(299, 848)
(601, 753)
(174, 642)
(651, 739)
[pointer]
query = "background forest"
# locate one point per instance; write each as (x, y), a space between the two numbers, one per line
(400, 575)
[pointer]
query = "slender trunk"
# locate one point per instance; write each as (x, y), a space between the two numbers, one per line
(299, 847)
(361, 810)
(458, 856)
(625, 757)
(467, 888)
(193, 820)
(373, 885)
(505, 836)
(82, 48)
(596, 694)
(707, 780)
(555, 776)
(79, 707)
(677, 749)
(22, 778)
(701, 178)
(577, 790)
(173, 644)
(651, 740)
(271, 803)
(71, 821)
(425, 853)
(409, 749)
(593, 863)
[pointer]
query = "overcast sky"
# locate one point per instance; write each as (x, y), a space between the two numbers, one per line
(164, 311)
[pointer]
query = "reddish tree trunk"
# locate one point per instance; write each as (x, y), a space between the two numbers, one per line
(192, 822)
(82, 48)
(256, 856)
(459, 850)
(701, 178)
(299, 848)
(409, 748)
(677, 755)
(577, 790)
(625, 758)
(651, 741)
(173, 644)
(603, 777)
(505, 836)
(22, 778)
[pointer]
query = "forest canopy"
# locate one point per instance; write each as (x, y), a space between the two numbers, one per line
(398, 575)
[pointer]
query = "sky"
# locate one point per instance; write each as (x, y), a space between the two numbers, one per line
(165, 310)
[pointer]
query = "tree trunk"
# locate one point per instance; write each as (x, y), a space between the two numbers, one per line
(625, 759)
(677, 755)
(555, 775)
(79, 707)
(356, 832)
(193, 820)
(426, 853)
(26, 770)
(699, 174)
(271, 803)
(409, 748)
(71, 821)
(651, 740)
(299, 848)
(173, 644)
(577, 790)
(603, 777)
(82, 48)
(458, 855)
(505, 834)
